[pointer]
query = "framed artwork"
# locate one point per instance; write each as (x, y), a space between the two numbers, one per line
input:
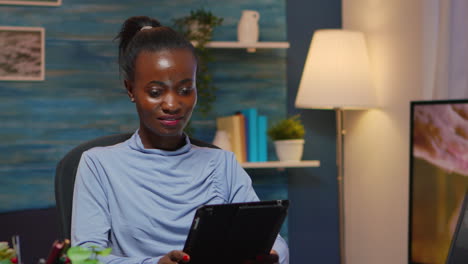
(32, 3)
(22, 56)
(438, 177)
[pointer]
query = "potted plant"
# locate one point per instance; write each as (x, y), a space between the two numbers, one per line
(86, 255)
(288, 137)
(198, 27)
(7, 254)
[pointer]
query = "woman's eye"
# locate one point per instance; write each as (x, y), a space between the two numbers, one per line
(185, 90)
(154, 92)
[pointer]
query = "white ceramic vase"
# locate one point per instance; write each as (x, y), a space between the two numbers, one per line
(289, 150)
(247, 29)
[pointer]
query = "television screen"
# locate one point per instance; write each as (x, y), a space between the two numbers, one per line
(438, 176)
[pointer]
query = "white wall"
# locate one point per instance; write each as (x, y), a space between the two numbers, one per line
(377, 141)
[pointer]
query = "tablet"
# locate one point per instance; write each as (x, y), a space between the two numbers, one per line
(232, 233)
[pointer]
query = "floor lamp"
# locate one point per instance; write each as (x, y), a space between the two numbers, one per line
(337, 76)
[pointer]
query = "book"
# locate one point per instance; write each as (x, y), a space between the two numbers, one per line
(246, 136)
(262, 138)
(252, 138)
(243, 132)
(233, 126)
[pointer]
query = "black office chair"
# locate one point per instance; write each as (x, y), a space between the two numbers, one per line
(66, 171)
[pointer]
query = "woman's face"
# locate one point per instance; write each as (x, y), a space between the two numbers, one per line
(164, 90)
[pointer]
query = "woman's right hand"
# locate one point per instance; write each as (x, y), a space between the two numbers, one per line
(174, 257)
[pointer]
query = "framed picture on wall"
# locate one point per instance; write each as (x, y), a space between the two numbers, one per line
(33, 3)
(22, 56)
(438, 176)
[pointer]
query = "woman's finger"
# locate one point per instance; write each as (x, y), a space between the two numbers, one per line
(179, 256)
(174, 257)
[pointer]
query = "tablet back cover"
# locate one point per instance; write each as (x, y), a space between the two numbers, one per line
(231, 233)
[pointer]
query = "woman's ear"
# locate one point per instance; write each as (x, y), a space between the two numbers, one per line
(129, 87)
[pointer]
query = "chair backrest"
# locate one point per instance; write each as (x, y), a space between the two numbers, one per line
(66, 171)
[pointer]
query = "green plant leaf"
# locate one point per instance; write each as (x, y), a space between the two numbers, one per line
(3, 245)
(5, 261)
(289, 128)
(8, 253)
(79, 254)
(91, 261)
(104, 252)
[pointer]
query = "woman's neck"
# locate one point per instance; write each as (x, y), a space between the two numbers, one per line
(153, 141)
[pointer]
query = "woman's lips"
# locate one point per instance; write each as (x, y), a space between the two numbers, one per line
(170, 121)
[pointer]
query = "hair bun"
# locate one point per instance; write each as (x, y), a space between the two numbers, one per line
(132, 26)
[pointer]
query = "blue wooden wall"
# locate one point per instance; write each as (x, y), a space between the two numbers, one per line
(83, 97)
(313, 218)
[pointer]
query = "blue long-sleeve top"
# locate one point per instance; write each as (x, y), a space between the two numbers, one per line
(141, 202)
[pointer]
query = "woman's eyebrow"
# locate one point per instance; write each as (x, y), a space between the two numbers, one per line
(158, 83)
(186, 81)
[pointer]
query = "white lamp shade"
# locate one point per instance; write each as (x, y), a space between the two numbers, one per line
(337, 72)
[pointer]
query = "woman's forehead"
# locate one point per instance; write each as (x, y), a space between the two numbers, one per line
(176, 53)
(179, 63)
(166, 58)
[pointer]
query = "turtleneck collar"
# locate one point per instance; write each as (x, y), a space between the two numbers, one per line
(135, 143)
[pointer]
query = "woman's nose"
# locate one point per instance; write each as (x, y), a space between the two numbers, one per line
(171, 103)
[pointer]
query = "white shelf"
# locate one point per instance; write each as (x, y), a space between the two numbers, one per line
(259, 45)
(281, 164)
(251, 47)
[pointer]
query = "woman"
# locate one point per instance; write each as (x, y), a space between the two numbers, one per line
(139, 197)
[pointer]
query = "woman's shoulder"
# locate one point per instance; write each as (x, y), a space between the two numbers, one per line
(212, 149)
(214, 155)
(102, 151)
(201, 143)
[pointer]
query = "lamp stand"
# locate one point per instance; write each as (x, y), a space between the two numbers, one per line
(340, 169)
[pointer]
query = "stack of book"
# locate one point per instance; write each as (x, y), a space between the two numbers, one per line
(247, 132)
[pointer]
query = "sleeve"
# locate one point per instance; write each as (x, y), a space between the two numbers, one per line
(239, 184)
(241, 190)
(91, 221)
(282, 248)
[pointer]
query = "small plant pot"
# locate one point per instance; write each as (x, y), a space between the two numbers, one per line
(289, 150)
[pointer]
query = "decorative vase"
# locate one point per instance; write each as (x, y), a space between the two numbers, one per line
(221, 140)
(289, 150)
(247, 29)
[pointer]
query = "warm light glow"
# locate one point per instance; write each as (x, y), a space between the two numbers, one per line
(337, 72)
